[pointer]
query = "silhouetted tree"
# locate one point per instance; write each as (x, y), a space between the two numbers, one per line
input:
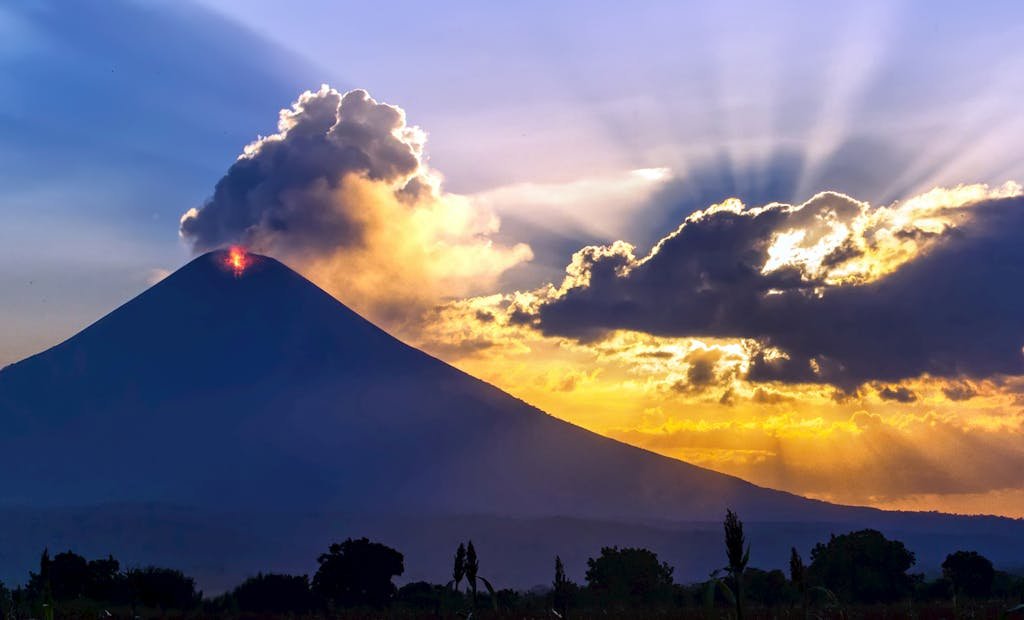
(473, 573)
(64, 577)
(105, 581)
(6, 602)
(358, 573)
(798, 577)
(940, 589)
(738, 553)
(39, 587)
(164, 588)
(715, 589)
(506, 598)
(274, 594)
(629, 577)
(459, 569)
(796, 568)
(472, 567)
(767, 587)
(425, 596)
(69, 576)
(863, 567)
(1008, 586)
(562, 589)
(970, 573)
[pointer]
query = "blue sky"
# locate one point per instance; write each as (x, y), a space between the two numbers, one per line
(117, 116)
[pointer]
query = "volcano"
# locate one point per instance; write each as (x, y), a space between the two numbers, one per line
(232, 420)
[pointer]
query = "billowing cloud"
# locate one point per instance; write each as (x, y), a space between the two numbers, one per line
(832, 290)
(342, 191)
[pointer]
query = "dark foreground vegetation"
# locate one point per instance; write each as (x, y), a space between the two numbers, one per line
(856, 575)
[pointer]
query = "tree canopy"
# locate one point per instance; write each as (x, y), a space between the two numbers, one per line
(355, 579)
(630, 577)
(164, 588)
(274, 593)
(67, 576)
(358, 573)
(970, 573)
(863, 566)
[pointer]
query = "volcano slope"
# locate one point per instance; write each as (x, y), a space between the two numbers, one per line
(231, 421)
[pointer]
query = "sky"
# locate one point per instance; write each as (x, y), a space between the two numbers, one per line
(781, 242)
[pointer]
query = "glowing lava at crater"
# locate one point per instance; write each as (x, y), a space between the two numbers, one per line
(237, 260)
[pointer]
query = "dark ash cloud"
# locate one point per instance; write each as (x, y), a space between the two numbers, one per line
(283, 192)
(953, 308)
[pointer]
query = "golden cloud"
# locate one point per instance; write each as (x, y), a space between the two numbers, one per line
(342, 192)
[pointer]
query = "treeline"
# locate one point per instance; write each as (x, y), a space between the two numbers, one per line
(355, 578)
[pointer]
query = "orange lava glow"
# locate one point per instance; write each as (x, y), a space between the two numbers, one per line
(238, 259)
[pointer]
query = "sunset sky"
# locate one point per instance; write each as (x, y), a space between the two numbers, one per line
(783, 243)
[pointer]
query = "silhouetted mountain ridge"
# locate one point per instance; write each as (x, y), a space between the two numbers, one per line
(211, 380)
(260, 394)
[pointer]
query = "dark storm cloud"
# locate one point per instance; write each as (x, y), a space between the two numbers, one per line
(955, 309)
(283, 192)
(897, 393)
(961, 390)
(700, 375)
(701, 371)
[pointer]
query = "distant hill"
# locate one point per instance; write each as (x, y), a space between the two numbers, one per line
(256, 416)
